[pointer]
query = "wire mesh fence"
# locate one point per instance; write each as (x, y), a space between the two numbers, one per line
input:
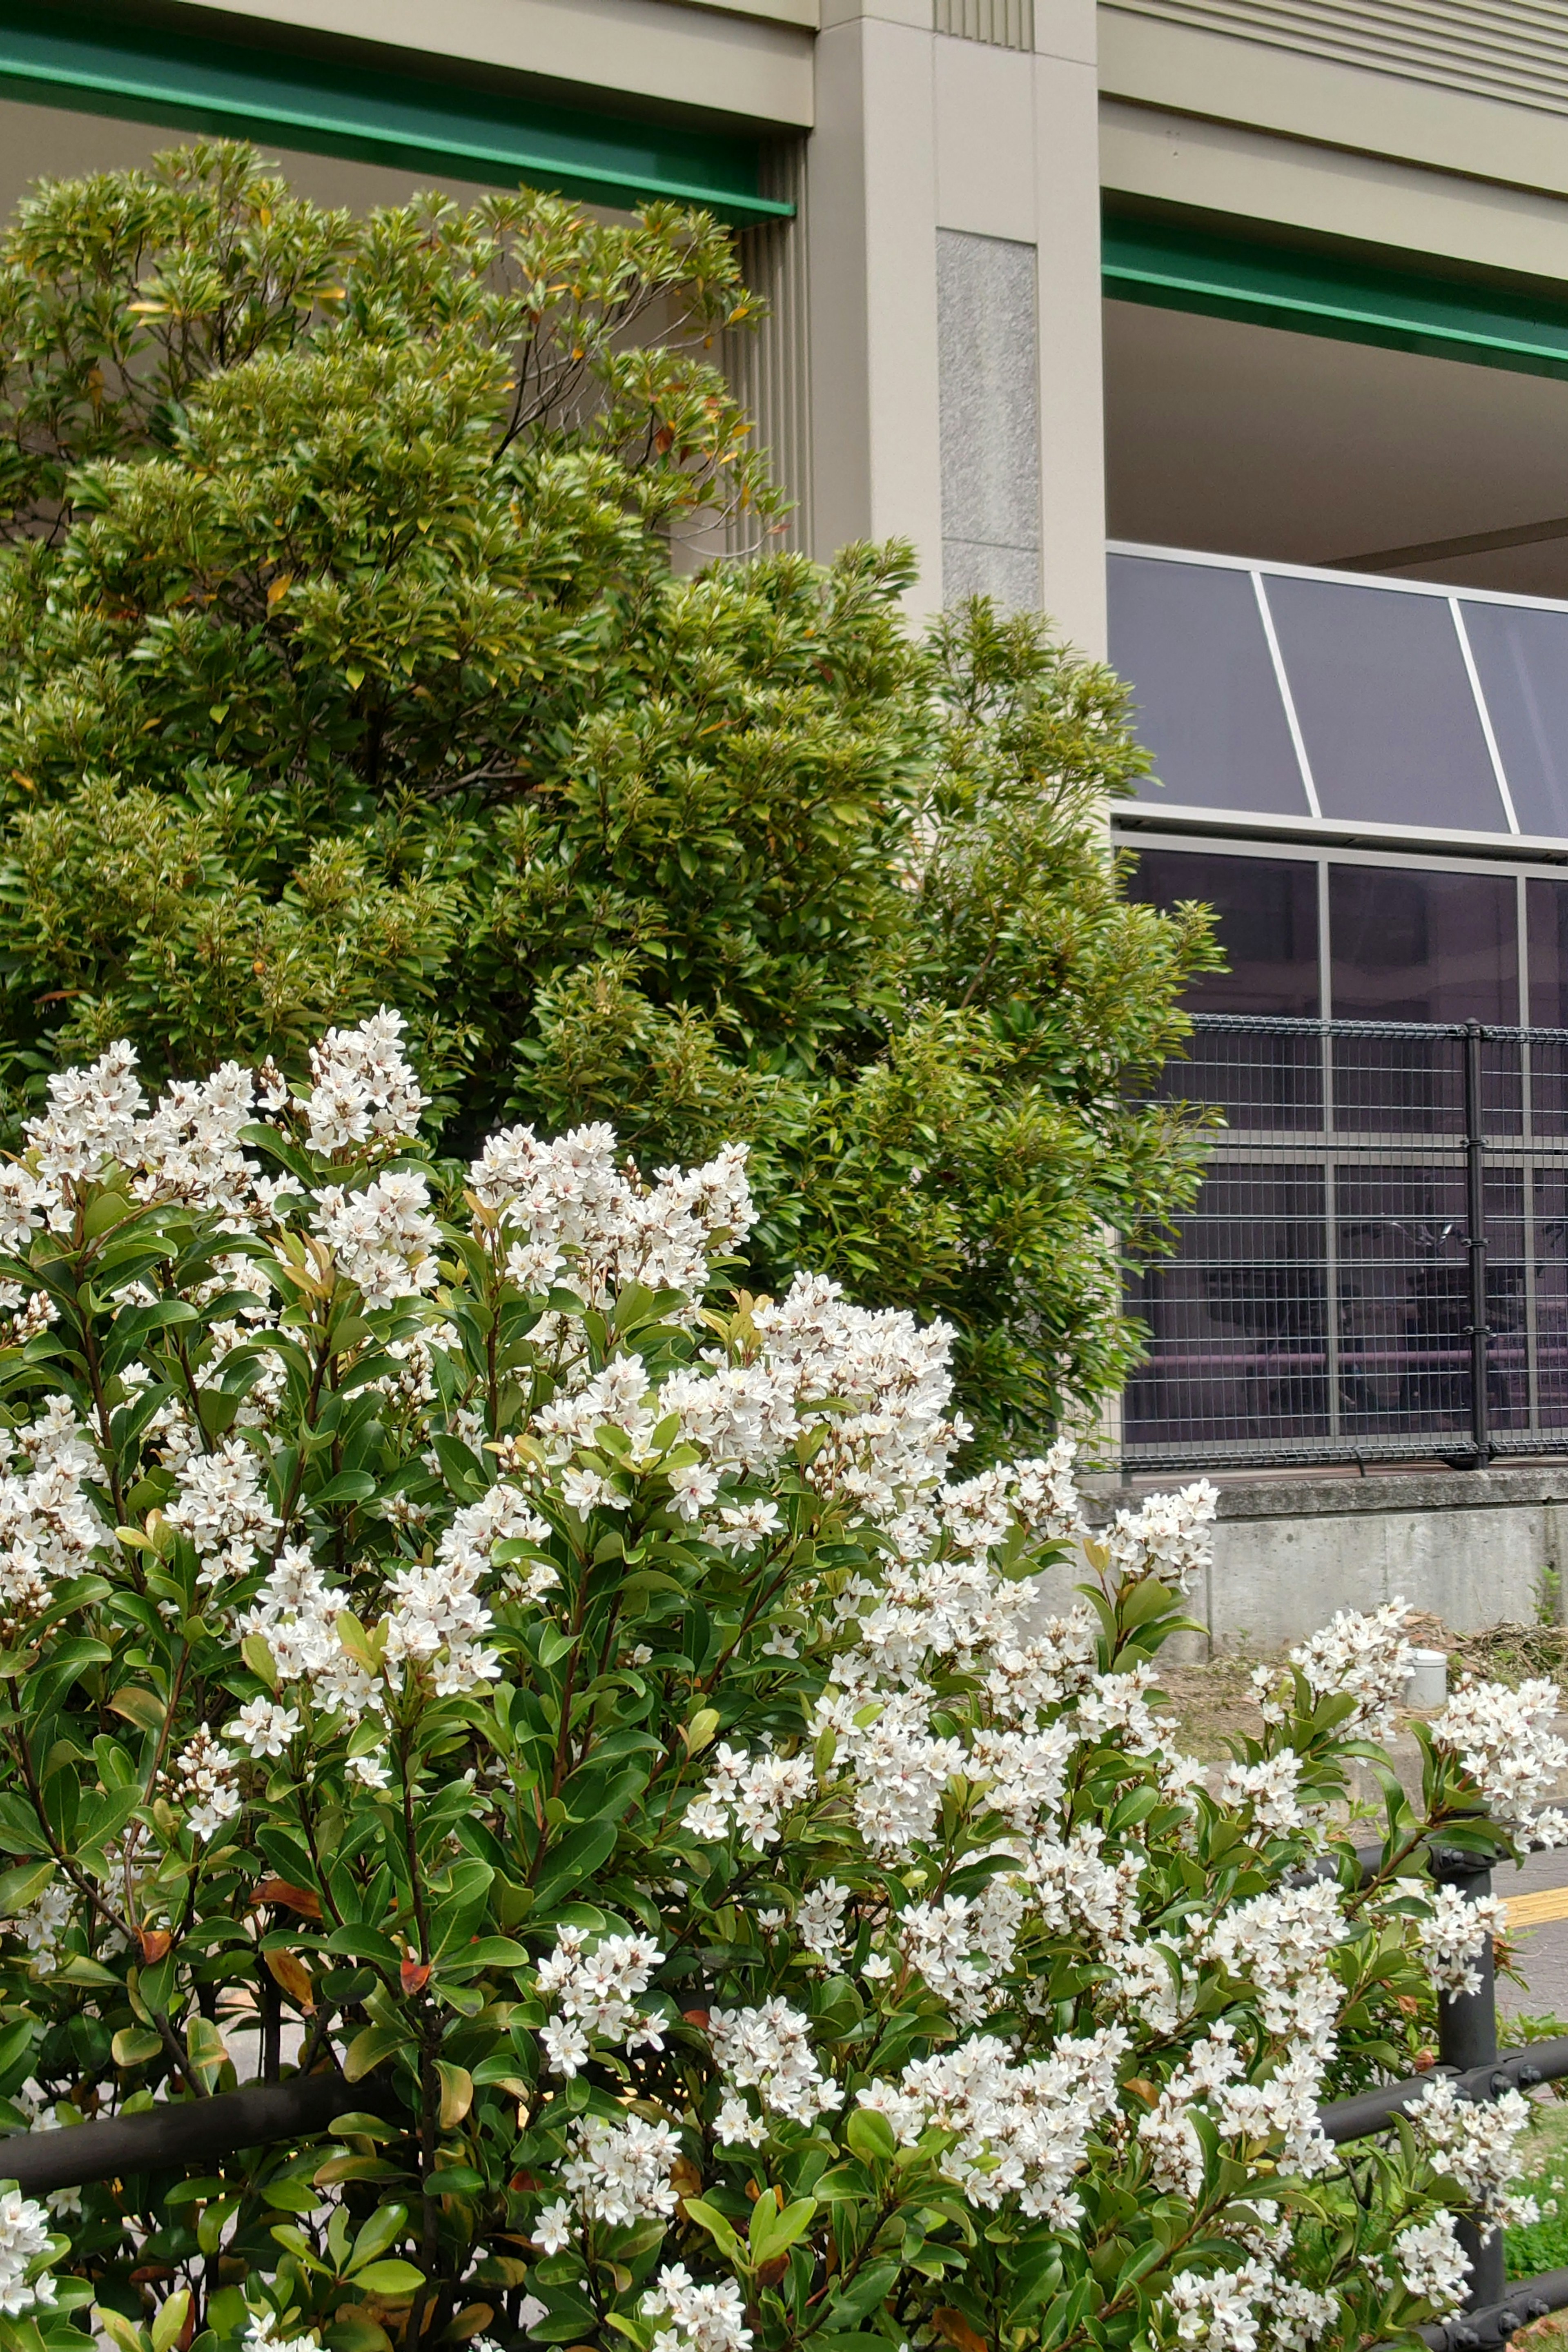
(1377, 1265)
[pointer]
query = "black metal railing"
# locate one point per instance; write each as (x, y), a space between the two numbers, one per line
(1377, 1265)
(1495, 2306)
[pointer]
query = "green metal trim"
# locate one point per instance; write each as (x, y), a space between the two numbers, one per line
(1312, 293)
(79, 58)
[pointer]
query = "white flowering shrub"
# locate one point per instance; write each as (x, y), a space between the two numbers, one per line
(449, 1636)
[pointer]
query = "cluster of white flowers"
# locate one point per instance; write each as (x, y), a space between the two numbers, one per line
(1504, 1741)
(1266, 1791)
(262, 1727)
(1475, 2142)
(295, 1614)
(698, 2318)
(501, 1514)
(1364, 1658)
(568, 1210)
(1167, 1537)
(202, 1781)
(752, 1793)
(382, 1236)
(596, 1991)
(24, 2236)
(1236, 2311)
(769, 2050)
(220, 1502)
(262, 2335)
(616, 2173)
(1284, 2107)
(42, 1925)
(1432, 2263)
(189, 1148)
(362, 1085)
(49, 1528)
(1454, 1934)
(961, 1944)
(437, 1622)
(1021, 2130)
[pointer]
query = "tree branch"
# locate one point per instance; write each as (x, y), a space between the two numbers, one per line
(173, 2139)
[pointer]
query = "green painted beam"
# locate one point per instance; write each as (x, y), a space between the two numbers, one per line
(1312, 293)
(106, 64)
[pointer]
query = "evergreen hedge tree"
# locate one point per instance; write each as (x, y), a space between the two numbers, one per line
(345, 658)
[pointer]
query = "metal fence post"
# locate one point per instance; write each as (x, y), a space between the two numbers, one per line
(1466, 2037)
(1476, 1222)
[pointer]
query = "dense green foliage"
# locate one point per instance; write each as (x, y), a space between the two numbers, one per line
(351, 653)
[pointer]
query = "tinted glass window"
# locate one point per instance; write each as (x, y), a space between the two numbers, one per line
(1267, 926)
(1546, 923)
(1522, 659)
(1385, 705)
(1411, 946)
(1190, 638)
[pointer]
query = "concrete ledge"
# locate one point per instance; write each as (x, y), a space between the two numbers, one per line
(1472, 1547)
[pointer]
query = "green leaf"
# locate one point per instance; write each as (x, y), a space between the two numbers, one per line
(708, 2217)
(133, 2045)
(390, 2278)
(170, 2318)
(573, 1862)
(348, 1486)
(772, 2232)
(369, 2047)
(383, 2227)
(871, 2135)
(22, 1886)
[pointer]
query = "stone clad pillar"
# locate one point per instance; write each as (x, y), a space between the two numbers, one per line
(953, 243)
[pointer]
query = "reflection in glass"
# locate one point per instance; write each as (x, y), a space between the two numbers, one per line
(1521, 661)
(1238, 1317)
(1266, 911)
(1385, 705)
(1190, 638)
(1546, 928)
(1409, 945)
(1267, 926)
(1403, 1300)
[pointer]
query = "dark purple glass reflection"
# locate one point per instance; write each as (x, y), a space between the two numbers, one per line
(1267, 910)
(1411, 945)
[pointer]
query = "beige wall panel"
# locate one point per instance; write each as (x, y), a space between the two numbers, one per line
(916, 14)
(719, 61)
(985, 140)
(1179, 159)
(54, 142)
(1223, 79)
(871, 227)
(1066, 28)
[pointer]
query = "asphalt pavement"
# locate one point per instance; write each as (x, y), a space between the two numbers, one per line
(1541, 1953)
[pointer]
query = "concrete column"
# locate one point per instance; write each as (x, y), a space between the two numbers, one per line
(1072, 413)
(958, 163)
(872, 249)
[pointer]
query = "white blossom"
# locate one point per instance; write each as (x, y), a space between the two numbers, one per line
(710, 2318)
(1504, 1741)
(769, 2048)
(263, 1728)
(1432, 2263)
(362, 1087)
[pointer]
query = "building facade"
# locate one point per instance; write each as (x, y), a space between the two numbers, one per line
(1232, 334)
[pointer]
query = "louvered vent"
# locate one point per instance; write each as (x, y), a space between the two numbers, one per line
(1512, 49)
(1006, 23)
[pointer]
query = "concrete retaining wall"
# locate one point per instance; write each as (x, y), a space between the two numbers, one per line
(1469, 1545)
